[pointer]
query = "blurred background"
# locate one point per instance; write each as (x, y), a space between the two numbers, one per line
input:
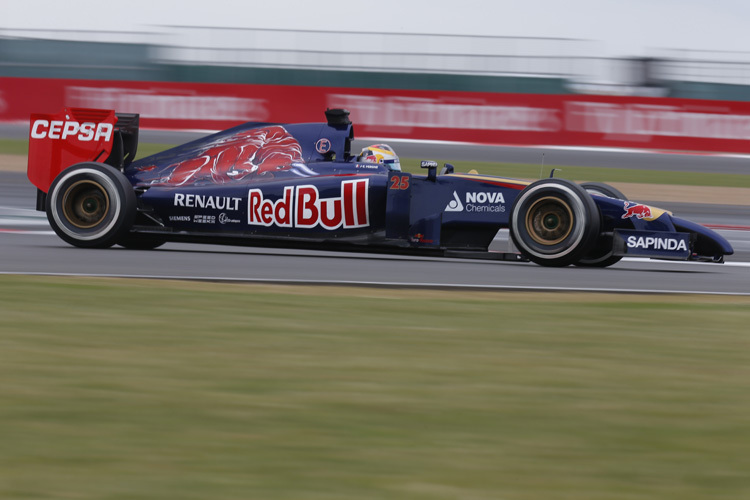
(584, 74)
(221, 390)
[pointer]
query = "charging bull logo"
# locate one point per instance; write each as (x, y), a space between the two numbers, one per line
(302, 207)
(252, 152)
(637, 210)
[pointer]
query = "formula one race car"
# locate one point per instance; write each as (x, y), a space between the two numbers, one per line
(299, 186)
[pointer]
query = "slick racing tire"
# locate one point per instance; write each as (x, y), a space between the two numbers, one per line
(602, 189)
(554, 222)
(602, 253)
(91, 205)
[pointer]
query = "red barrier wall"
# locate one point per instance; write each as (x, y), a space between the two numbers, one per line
(490, 118)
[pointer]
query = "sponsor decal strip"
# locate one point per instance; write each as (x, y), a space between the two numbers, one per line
(302, 207)
(84, 132)
(477, 201)
(203, 201)
(656, 243)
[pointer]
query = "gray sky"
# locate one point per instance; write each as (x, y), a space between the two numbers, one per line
(622, 28)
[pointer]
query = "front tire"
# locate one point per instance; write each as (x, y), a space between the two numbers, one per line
(554, 222)
(91, 205)
(602, 255)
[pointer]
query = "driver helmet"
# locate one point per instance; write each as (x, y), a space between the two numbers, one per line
(380, 153)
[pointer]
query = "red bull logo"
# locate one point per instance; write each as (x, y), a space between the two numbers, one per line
(302, 207)
(637, 210)
(260, 151)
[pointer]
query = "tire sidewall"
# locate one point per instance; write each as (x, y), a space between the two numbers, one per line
(602, 254)
(118, 218)
(583, 233)
(603, 189)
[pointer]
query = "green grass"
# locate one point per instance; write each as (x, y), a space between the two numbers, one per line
(148, 149)
(14, 147)
(21, 147)
(515, 170)
(167, 390)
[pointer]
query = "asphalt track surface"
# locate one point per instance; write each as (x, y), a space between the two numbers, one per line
(28, 246)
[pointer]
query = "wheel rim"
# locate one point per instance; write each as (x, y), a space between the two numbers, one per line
(549, 221)
(85, 204)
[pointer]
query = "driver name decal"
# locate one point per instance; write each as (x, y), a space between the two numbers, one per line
(302, 207)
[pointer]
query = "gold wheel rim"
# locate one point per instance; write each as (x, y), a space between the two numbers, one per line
(85, 204)
(549, 221)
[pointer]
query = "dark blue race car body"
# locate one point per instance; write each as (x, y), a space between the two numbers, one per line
(298, 185)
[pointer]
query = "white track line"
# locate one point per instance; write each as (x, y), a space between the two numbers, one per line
(384, 284)
(684, 262)
(19, 221)
(26, 231)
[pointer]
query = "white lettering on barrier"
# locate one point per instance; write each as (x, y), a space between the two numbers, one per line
(653, 120)
(614, 120)
(152, 104)
(432, 113)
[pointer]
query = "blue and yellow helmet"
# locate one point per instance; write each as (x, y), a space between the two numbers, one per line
(380, 153)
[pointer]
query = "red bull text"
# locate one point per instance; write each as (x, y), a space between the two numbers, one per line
(302, 207)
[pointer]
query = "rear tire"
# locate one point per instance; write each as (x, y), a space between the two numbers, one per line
(554, 222)
(91, 205)
(602, 253)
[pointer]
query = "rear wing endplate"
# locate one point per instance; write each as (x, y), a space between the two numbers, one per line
(76, 135)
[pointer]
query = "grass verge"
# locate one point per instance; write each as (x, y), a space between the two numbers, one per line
(14, 147)
(136, 389)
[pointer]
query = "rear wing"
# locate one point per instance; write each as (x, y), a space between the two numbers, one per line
(76, 135)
